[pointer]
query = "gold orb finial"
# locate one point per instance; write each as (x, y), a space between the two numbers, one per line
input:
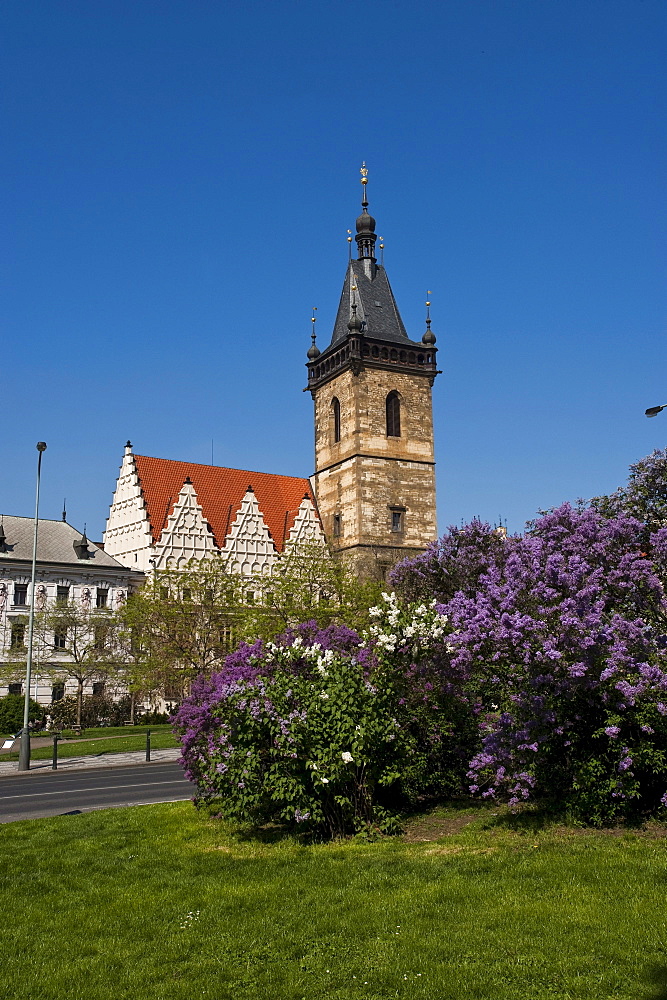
(364, 173)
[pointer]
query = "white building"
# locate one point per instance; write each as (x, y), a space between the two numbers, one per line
(165, 513)
(69, 568)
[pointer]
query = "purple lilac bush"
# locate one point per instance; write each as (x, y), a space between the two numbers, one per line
(560, 636)
(296, 732)
(328, 732)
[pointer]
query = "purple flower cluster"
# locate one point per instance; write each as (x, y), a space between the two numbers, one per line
(561, 634)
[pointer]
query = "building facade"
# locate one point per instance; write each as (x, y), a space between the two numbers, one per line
(165, 513)
(69, 569)
(371, 388)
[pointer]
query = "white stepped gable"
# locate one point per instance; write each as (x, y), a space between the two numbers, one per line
(249, 542)
(306, 527)
(128, 533)
(186, 535)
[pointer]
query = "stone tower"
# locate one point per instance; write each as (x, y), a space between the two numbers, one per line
(374, 464)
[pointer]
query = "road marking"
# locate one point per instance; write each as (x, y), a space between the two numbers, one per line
(100, 788)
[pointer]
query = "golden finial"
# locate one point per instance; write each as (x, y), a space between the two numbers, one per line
(364, 182)
(314, 319)
(428, 306)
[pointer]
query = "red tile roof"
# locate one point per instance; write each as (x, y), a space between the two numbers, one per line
(220, 492)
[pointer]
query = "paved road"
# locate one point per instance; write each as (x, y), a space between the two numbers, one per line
(56, 793)
(98, 760)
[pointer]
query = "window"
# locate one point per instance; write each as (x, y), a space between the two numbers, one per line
(187, 594)
(227, 638)
(100, 637)
(58, 691)
(335, 409)
(102, 598)
(337, 525)
(393, 415)
(98, 689)
(59, 640)
(396, 520)
(62, 595)
(17, 640)
(164, 593)
(15, 689)
(21, 594)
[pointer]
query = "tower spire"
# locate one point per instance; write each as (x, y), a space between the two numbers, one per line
(313, 350)
(366, 236)
(429, 336)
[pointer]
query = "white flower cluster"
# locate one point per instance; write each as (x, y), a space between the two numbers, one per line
(415, 627)
(323, 658)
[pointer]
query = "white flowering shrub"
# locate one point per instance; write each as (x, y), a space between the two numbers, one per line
(331, 733)
(438, 718)
(303, 738)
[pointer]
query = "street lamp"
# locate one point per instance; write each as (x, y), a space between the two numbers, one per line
(24, 749)
(653, 411)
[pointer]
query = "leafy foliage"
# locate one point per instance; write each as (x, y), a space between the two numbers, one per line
(93, 710)
(644, 497)
(184, 623)
(561, 637)
(11, 713)
(329, 732)
(295, 733)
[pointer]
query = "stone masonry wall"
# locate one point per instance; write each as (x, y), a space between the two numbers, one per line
(366, 473)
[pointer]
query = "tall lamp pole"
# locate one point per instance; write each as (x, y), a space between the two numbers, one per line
(24, 750)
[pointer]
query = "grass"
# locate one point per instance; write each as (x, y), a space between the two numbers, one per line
(163, 903)
(107, 743)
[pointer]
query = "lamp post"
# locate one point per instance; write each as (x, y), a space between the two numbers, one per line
(653, 411)
(24, 750)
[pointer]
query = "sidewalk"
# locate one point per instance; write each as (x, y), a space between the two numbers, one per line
(98, 760)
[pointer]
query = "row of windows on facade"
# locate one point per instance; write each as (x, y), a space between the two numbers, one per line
(18, 637)
(392, 416)
(397, 523)
(62, 596)
(58, 689)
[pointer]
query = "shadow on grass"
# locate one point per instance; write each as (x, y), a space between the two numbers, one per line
(658, 979)
(541, 816)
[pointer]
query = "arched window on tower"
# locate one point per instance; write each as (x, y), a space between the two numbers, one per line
(335, 409)
(393, 415)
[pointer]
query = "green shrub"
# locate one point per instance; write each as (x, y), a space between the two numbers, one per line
(11, 713)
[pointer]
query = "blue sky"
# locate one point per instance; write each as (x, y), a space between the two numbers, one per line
(178, 179)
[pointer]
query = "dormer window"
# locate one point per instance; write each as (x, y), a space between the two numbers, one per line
(81, 547)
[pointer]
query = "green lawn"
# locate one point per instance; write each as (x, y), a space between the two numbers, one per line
(164, 903)
(160, 740)
(93, 732)
(118, 739)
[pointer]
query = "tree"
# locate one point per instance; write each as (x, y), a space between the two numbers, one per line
(309, 584)
(644, 497)
(561, 636)
(183, 623)
(87, 644)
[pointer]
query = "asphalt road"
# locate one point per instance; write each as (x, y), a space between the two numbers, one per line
(59, 793)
